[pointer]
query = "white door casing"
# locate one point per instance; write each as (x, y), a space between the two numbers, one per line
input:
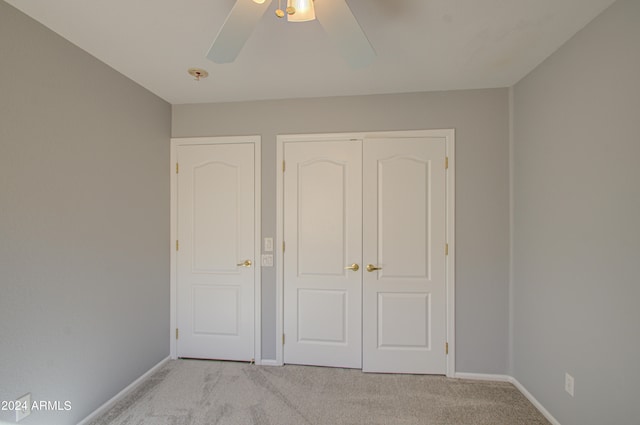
(404, 302)
(323, 233)
(215, 291)
(402, 284)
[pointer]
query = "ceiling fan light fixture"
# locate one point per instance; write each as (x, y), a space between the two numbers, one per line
(290, 9)
(259, 1)
(304, 11)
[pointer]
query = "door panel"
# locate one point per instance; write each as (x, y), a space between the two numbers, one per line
(323, 235)
(314, 303)
(215, 295)
(401, 325)
(215, 229)
(321, 206)
(402, 244)
(215, 310)
(404, 236)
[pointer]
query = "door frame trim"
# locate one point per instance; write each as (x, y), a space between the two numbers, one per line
(185, 141)
(449, 136)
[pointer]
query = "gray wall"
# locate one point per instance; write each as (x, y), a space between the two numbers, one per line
(84, 224)
(577, 231)
(481, 121)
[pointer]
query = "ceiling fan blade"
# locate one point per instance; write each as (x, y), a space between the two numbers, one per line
(236, 30)
(342, 27)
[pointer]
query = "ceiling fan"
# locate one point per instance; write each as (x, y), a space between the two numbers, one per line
(334, 15)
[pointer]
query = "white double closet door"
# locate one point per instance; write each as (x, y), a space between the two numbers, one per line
(364, 261)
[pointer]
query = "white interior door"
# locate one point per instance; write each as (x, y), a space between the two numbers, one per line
(216, 234)
(323, 236)
(404, 301)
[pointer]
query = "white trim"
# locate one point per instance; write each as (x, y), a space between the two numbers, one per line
(451, 258)
(511, 329)
(516, 383)
(113, 400)
(278, 249)
(449, 135)
(534, 401)
(257, 252)
(267, 362)
(483, 377)
(256, 141)
(173, 235)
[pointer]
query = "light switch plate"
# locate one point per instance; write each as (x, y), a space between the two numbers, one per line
(267, 260)
(569, 384)
(268, 244)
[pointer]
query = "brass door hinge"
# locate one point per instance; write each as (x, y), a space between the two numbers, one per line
(283, 166)
(446, 249)
(446, 162)
(446, 348)
(282, 339)
(177, 245)
(177, 168)
(176, 333)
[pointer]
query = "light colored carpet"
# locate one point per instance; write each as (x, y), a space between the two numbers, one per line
(197, 392)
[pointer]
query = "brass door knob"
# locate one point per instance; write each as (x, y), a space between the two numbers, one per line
(246, 263)
(353, 267)
(372, 268)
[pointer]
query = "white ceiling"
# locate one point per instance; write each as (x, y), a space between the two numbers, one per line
(421, 45)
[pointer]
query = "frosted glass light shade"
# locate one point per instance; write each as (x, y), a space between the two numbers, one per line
(304, 11)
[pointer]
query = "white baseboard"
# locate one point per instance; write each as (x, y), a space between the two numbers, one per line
(534, 401)
(268, 362)
(516, 383)
(482, 377)
(111, 402)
